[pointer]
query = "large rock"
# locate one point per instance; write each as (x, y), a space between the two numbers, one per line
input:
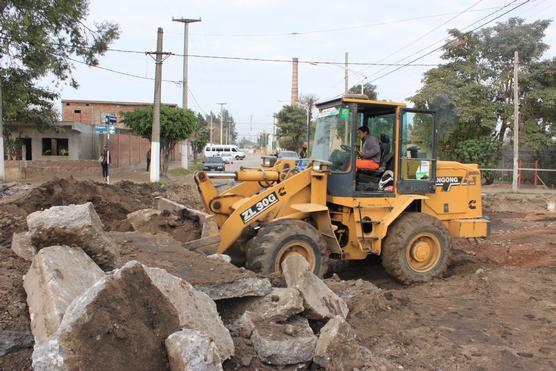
(22, 246)
(190, 350)
(216, 278)
(58, 274)
(120, 323)
(138, 219)
(195, 309)
(338, 349)
(242, 287)
(319, 301)
(279, 305)
(73, 225)
(279, 343)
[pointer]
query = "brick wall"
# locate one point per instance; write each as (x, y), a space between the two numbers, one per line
(90, 112)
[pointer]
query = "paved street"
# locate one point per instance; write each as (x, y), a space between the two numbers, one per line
(251, 160)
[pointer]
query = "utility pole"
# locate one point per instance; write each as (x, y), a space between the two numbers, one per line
(346, 75)
(516, 122)
(155, 135)
(2, 171)
(210, 135)
(185, 85)
(221, 120)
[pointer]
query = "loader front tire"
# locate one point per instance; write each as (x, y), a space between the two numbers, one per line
(277, 240)
(416, 249)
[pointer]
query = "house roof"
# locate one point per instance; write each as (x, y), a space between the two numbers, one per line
(117, 103)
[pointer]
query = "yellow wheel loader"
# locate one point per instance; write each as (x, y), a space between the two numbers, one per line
(406, 211)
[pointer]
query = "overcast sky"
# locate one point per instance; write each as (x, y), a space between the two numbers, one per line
(370, 31)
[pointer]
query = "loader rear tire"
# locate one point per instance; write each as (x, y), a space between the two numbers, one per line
(277, 240)
(416, 249)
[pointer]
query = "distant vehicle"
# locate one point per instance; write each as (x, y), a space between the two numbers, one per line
(214, 163)
(302, 164)
(288, 154)
(223, 150)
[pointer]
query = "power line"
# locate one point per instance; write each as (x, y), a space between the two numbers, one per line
(122, 73)
(336, 29)
(451, 42)
(274, 60)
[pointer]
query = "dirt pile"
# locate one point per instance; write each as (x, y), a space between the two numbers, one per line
(112, 202)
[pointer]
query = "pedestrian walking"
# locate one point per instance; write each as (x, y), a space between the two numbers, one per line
(104, 160)
(148, 159)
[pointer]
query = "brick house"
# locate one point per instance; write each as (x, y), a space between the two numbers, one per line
(74, 145)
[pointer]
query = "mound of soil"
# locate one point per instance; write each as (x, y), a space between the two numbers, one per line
(112, 202)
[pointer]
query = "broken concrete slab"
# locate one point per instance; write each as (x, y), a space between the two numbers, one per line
(140, 218)
(120, 323)
(73, 225)
(338, 349)
(58, 274)
(12, 341)
(195, 309)
(279, 305)
(319, 301)
(216, 278)
(191, 350)
(285, 343)
(22, 245)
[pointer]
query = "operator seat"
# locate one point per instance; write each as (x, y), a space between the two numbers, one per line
(367, 180)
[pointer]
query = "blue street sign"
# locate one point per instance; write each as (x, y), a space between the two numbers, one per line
(101, 129)
(110, 119)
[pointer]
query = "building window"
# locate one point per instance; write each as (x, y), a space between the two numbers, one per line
(76, 111)
(55, 147)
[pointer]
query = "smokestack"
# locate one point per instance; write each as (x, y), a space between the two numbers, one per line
(295, 89)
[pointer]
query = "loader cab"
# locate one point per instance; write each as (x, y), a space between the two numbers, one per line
(407, 147)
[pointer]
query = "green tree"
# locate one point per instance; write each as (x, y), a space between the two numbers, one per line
(176, 124)
(291, 127)
(473, 91)
(200, 136)
(368, 89)
(262, 140)
(39, 38)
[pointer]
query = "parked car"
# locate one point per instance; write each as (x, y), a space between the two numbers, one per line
(288, 155)
(214, 163)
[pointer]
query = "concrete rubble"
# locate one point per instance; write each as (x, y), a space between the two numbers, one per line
(279, 343)
(58, 274)
(195, 309)
(320, 302)
(279, 305)
(242, 287)
(76, 226)
(120, 323)
(22, 246)
(140, 218)
(190, 350)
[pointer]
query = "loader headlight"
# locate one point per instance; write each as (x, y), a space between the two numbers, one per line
(266, 162)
